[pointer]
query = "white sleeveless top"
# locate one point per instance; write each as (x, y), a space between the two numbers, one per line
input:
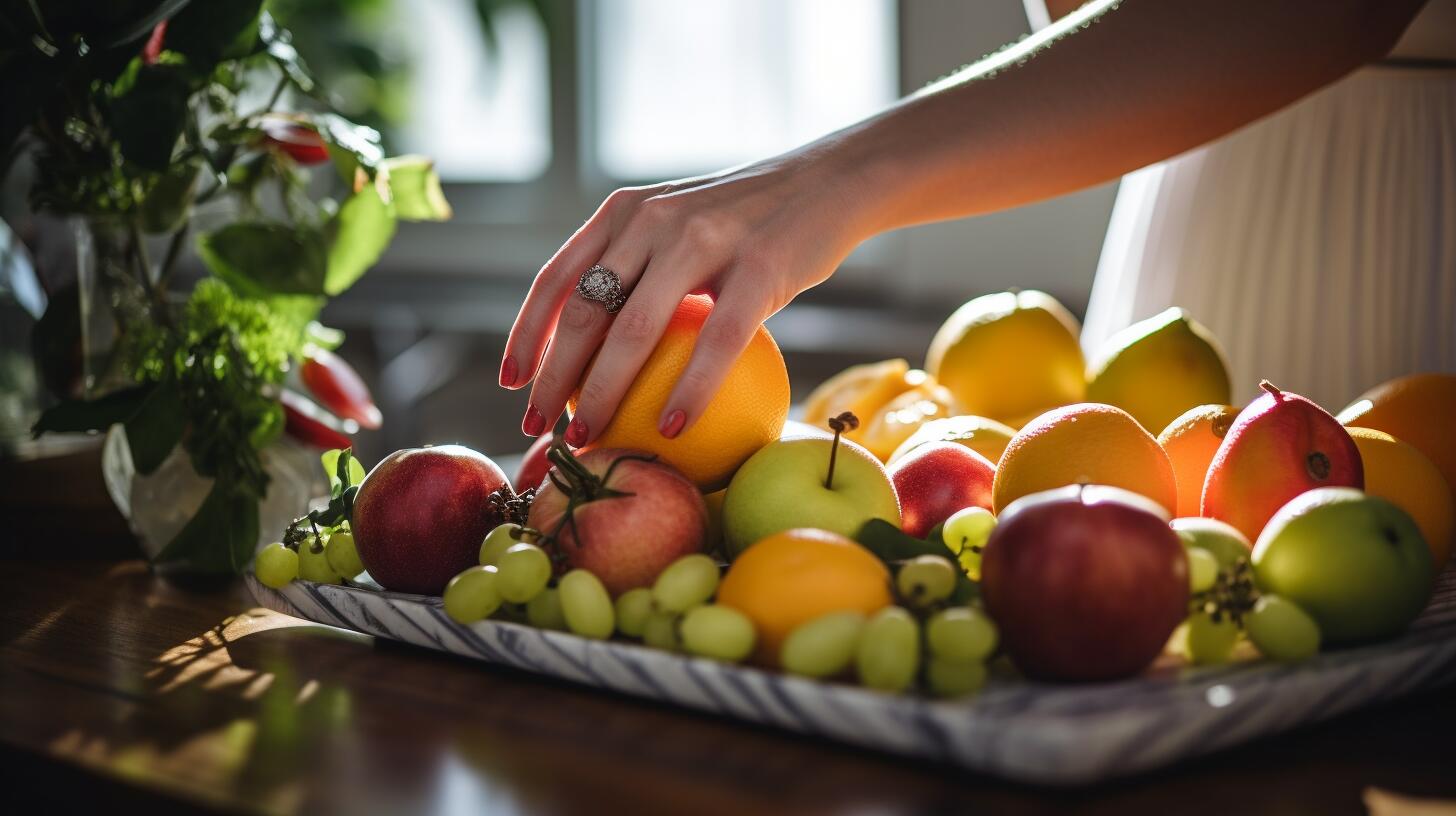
(1318, 243)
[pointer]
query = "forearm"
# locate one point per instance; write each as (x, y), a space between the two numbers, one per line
(1073, 107)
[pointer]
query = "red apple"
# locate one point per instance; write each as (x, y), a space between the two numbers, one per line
(421, 514)
(1084, 582)
(632, 515)
(534, 464)
(938, 479)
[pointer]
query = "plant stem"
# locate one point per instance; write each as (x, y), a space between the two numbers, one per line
(174, 250)
(833, 451)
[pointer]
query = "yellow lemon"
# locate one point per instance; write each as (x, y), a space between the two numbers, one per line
(1009, 355)
(1158, 368)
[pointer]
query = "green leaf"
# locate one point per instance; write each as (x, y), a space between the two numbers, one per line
(351, 146)
(156, 428)
(359, 234)
(892, 545)
(343, 470)
(149, 111)
(212, 31)
(134, 30)
(170, 197)
(258, 259)
(279, 44)
(93, 415)
(221, 537)
(414, 189)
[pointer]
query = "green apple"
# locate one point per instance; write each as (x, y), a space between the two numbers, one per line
(783, 486)
(1356, 563)
(1220, 538)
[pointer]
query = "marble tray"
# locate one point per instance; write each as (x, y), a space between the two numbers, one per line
(1033, 732)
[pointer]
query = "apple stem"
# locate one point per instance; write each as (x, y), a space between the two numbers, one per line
(1268, 386)
(846, 421)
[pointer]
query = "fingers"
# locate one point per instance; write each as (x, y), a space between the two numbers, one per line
(736, 315)
(578, 333)
(556, 281)
(538, 315)
(629, 342)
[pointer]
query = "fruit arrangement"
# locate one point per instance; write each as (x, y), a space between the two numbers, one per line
(975, 518)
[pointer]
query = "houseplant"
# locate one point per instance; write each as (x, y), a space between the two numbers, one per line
(159, 126)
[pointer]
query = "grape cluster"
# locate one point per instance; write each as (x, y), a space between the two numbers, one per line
(325, 558)
(1226, 606)
(675, 613)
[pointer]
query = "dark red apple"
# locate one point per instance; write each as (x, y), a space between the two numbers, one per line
(1084, 582)
(632, 516)
(937, 480)
(421, 514)
(534, 464)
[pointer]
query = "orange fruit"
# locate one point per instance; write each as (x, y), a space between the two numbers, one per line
(882, 433)
(1190, 441)
(1417, 410)
(1087, 443)
(1009, 355)
(981, 434)
(793, 577)
(1396, 471)
(747, 413)
(862, 390)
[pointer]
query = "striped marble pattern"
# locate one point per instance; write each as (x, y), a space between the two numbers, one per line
(1034, 732)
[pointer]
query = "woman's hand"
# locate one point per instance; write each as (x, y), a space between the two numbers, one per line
(752, 238)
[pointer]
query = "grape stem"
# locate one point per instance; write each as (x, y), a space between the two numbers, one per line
(846, 421)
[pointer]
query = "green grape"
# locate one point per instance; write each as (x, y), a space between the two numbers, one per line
(633, 607)
(472, 595)
(824, 646)
(343, 554)
(1282, 630)
(954, 678)
(925, 580)
(660, 631)
(888, 654)
(314, 565)
(524, 571)
(497, 541)
(276, 566)
(965, 534)
(686, 583)
(586, 605)
(1202, 569)
(960, 634)
(544, 610)
(719, 632)
(1211, 641)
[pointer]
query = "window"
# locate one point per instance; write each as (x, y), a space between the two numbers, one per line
(687, 87)
(481, 113)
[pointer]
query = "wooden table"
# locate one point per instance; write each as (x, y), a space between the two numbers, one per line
(119, 688)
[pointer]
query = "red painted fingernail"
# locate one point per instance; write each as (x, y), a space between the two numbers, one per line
(576, 433)
(673, 425)
(508, 372)
(534, 423)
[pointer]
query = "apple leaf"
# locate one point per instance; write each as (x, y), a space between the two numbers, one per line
(893, 545)
(343, 469)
